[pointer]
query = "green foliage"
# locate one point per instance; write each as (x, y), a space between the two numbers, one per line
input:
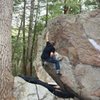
(16, 53)
(17, 46)
(17, 2)
(74, 6)
(55, 9)
(91, 4)
(16, 5)
(39, 27)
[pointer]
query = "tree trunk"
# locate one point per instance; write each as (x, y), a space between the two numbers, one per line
(6, 78)
(80, 6)
(24, 43)
(30, 37)
(13, 52)
(34, 42)
(46, 14)
(15, 66)
(65, 9)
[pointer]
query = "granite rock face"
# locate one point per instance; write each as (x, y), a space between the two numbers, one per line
(74, 32)
(78, 41)
(27, 91)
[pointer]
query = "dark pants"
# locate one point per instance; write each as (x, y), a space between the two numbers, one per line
(54, 61)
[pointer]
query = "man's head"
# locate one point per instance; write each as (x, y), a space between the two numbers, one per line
(53, 42)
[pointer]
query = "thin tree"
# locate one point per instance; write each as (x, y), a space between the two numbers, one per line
(30, 35)
(80, 1)
(34, 43)
(14, 48)
(46, 13)
(6, 78)
(65, 7)
(24, 43)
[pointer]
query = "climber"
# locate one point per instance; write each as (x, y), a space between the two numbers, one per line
(48, 54)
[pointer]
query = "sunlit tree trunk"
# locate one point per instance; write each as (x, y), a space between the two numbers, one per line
(34, 43)
(30, 37)
(6, 78)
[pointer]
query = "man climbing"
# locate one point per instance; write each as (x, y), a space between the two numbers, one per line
(48, 54)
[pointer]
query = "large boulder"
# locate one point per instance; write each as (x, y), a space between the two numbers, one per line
(81, 63)
(73, 33)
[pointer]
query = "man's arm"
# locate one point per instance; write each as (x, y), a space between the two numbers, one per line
(47, 34)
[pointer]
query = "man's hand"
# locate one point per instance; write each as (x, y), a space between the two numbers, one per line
(51, 54)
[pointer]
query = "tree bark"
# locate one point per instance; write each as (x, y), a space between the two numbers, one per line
(80, 6)
(34, 41)
(46, 14)
(24, 43)
(30, 38)
(6, 78)
(65, 9)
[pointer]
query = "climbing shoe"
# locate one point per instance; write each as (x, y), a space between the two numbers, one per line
(58, 72)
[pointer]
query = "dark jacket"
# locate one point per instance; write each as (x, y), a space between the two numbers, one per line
(47, 50)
